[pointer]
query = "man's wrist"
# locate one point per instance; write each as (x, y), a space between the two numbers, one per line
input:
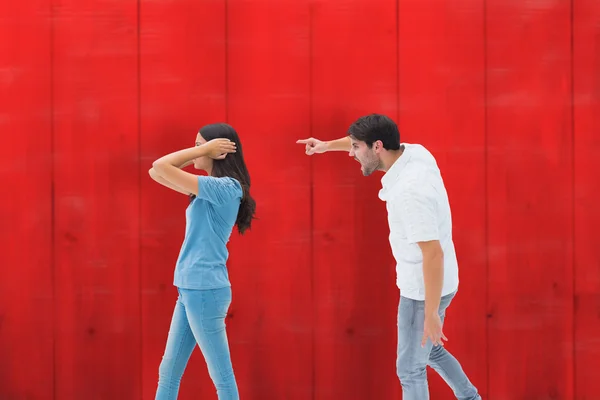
(431, 311)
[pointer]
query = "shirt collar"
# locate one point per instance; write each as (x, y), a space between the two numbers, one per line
(390, 177)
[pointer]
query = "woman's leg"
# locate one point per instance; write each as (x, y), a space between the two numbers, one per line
(206, 311)
(180, 345)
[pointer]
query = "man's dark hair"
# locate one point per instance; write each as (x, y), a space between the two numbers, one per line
(374, 127)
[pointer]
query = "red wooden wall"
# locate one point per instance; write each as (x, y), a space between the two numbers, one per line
(505, 93)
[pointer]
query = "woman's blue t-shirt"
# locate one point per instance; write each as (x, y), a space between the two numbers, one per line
(210, 219)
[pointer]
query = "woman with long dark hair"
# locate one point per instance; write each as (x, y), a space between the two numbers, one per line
(218, 202)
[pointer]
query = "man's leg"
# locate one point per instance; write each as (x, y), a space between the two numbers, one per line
(448, 367)
(411, 364)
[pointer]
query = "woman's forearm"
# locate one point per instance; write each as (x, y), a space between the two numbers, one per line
(168, 166)
(185, 164)
(179, 159)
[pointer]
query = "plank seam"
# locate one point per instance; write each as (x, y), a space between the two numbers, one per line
(312, 198)
(486, 196)
(573, 258)
(226, 24)
(53, 200)
(140, 269)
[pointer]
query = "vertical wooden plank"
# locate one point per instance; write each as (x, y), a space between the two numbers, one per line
(182, 64)
(97, 200)
(530, 177)
(354, 69)
(441, 72)
(26, 295)
(586, 102)
(269, 104)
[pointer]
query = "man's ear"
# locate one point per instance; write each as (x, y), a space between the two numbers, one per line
(378, 146)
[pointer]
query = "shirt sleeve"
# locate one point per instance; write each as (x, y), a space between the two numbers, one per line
(218, 191)
(419, 216)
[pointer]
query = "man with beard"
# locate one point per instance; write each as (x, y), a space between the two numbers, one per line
(420, 225)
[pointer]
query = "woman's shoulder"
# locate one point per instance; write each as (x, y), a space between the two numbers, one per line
(224, 181)
(222, 188)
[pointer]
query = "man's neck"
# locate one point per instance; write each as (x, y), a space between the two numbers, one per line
(390, 158)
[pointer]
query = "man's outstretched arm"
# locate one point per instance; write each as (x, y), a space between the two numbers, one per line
(316, 146)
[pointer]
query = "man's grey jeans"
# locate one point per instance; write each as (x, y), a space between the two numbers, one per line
(413, 359)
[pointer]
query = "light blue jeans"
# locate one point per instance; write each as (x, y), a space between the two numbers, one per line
(412, 360)
(199, 317)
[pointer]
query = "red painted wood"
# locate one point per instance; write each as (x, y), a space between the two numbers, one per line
(310, 318)
(182, 87)
(268, 68)
(26, 295)
(95, 73)
(354, 72)
(441, 73)
(530, 177)
(586, 64)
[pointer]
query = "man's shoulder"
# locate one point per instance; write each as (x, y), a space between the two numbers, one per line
(420, 154)
(415, 190)
(415, 147)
